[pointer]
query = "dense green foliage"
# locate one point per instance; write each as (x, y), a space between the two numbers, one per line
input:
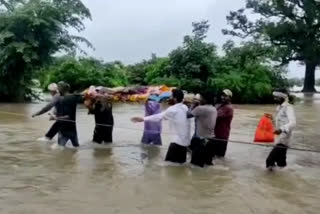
(290, 25)
(246, 71)
(195, 66)
(31, 31)
(83, 72)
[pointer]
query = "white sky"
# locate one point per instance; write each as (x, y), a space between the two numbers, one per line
(130, 30)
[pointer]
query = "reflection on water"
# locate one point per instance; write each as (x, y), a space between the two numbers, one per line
(130, 178)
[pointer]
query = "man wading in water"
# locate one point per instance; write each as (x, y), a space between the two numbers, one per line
(223, 125)
(179, 125)
(285, 122)
(102, 111)
(53, 89)
(206, 116)
(66, 115)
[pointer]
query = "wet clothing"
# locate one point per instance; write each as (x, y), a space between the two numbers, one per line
(65, 136)
(222, 129)
(67, 107)
(179, 124)
(180, 127)
(176, 153)
(152, 129)
(285, 121)
(206, 116)
(103, 116)
(224, 119)
(54, 129)
(219, 148)
(202, 152)
(278, 156)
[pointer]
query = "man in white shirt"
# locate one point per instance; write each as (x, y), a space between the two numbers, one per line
(285, 122)
(180, 127)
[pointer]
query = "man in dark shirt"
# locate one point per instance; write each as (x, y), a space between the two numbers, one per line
(223, 124)
(66, 115)
(102, 111)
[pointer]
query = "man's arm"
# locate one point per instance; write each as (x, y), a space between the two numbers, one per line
(167, 115)
(48, 107)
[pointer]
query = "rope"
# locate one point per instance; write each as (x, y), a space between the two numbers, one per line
(168, 133)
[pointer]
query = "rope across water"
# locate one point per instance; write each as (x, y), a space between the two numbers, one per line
(167, 133)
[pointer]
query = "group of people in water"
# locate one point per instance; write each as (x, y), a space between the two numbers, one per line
(212, 123)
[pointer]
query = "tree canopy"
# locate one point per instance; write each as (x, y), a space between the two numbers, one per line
(31, 31)
(293, 26)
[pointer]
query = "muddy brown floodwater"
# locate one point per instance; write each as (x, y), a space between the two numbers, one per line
(127, 178)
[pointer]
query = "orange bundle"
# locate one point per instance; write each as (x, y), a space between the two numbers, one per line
(265, 130)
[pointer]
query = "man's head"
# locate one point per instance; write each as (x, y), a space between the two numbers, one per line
(207, 98)
(226, 96)
(53, 89)
(177, 96)
(63, 88)
(280, 96)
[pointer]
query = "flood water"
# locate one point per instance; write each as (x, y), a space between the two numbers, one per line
(127, 178)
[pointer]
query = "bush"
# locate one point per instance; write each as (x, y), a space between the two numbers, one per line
(81, 73)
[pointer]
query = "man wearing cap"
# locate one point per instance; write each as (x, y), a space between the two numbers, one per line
(285, 122)
(223, 124)
(53, 89)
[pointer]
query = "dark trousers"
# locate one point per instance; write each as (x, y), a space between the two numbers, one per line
(54, 129)
(219, 148)
(277, 156)
(65, 136)
(202, 152)
(102, 134)
(176, 153)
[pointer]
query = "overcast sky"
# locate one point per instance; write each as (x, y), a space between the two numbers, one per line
(130, 30)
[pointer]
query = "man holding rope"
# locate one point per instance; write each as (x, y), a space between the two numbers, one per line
(285, 122)
(53, 89)
(180, 125)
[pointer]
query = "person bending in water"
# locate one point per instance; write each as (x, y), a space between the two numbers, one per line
(66, 115)
(53, 89)
(285, 122)
(206, 116)
(102, 111)
(179, 125)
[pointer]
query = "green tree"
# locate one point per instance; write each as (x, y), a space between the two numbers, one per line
(31, 31)
(84, 72)
(194, 60)
(246, 70)
(290, 25)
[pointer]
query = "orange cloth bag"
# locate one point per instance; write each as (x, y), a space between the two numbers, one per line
(265, 130)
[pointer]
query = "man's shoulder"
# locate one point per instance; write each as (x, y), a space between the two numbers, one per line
(225, 106)
(177, 107)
